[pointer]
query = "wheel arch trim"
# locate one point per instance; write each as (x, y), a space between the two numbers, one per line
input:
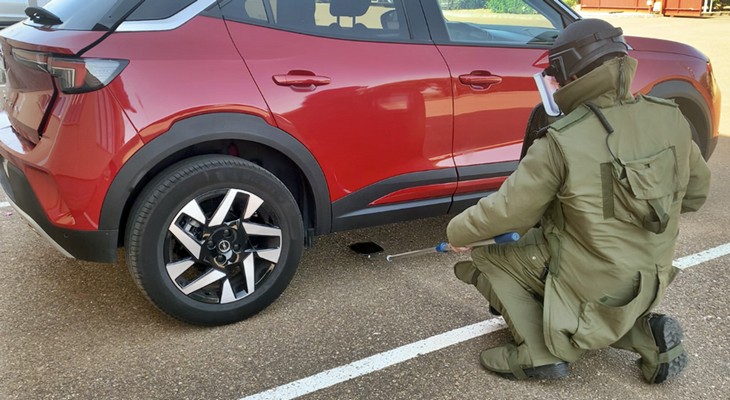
(687, 91)
(204, 128)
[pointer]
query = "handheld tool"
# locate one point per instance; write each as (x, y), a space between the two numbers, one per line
(371, 250)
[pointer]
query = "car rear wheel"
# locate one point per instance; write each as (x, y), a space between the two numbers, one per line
(696, 137)
(214, 240)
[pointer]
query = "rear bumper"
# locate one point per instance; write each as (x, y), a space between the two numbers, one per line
(96, 246)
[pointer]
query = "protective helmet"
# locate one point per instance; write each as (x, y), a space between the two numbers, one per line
(582, 43)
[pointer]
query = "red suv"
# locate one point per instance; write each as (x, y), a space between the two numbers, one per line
(215, 139)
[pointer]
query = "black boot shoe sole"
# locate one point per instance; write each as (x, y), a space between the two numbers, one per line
(668, 334)
(550, 371)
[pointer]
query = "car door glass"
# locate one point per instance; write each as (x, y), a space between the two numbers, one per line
(245, 10)
(501, 22)
(376, 20)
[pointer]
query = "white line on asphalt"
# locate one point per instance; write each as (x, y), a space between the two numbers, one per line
(4, 204)
(380, 361)
(699, 258)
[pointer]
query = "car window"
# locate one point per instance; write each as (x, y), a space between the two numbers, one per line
(501, 22)
(101, 15)
(158, 9)
(82, 15)
(245, 10)
(381, 20)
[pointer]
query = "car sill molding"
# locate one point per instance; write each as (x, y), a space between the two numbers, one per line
(167, 24)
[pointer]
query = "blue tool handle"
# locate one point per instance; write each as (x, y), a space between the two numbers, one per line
(507, 237)
(443, 248)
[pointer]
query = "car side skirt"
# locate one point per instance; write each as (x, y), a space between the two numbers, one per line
(365, 207)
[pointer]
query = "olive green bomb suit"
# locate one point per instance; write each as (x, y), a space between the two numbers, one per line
(609, 208)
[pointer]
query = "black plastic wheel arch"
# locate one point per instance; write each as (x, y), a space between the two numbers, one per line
(685, 91)
(207, 128)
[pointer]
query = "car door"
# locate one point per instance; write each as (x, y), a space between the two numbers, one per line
(365, 90)
(493, 49)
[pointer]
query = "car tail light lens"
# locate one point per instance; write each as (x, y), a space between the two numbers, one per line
(3, 76)
(709, 81)
(74, 75)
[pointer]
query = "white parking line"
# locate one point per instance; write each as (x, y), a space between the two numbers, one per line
(4, 204)
(380, 361)
(699, 258)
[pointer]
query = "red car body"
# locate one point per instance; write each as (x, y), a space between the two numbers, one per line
(362, 132)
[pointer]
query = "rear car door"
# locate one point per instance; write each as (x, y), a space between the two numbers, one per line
(365, 90)
(493, 49)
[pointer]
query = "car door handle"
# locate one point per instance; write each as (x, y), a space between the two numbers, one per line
(482, 81)
(301, 80)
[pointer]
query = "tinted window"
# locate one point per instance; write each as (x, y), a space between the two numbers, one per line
(85, 15)
(350, 19)
(158, 9)
(501, 22)
(243, 10)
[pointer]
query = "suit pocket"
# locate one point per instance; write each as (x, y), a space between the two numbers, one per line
(665, 275)
(641, 192)
(601, 325)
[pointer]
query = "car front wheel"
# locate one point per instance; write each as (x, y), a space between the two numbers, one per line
(214, 239)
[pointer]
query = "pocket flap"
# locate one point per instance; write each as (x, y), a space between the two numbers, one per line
(601, 325)
(653, 177)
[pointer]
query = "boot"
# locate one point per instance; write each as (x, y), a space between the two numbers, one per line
(668, 338)
(508, 362)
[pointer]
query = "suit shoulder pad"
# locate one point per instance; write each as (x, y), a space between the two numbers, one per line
(571, 119)
(658, 100)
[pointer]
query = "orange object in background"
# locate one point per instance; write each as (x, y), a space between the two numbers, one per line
(671, 8)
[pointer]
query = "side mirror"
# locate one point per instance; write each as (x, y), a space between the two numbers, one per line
(389, 20)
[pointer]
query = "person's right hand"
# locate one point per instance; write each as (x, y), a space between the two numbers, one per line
(459, 249)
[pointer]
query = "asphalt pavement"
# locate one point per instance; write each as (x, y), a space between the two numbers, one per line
(78, 330)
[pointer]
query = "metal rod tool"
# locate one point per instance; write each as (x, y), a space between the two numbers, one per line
(444, 247)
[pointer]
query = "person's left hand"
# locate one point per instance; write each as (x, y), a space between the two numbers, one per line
(459, 249)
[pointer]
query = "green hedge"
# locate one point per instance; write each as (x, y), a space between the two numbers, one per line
(509, 7)
(497, 6)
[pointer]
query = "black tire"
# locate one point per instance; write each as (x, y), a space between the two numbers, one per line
(165, 262)
(696, 137)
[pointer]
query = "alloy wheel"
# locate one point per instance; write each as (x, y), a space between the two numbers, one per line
(222, 245)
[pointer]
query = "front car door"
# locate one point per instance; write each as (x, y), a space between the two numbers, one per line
(365, 90)
(493, 49)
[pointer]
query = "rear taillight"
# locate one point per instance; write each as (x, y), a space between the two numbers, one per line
(709, 82)
(3, 76)
(74, 75)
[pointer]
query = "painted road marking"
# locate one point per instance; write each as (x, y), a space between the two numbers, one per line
(699, 258)
(4, 204)
(380, 361)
